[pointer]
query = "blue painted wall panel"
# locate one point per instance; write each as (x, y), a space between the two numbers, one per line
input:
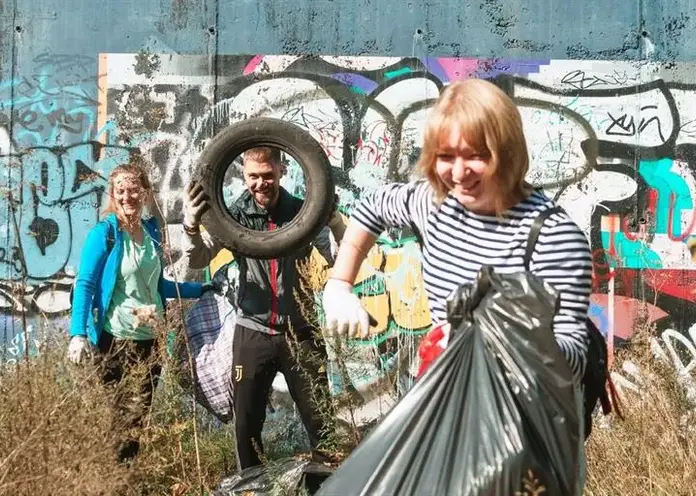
(554, 29)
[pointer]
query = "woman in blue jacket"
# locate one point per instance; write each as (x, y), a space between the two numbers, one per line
(119, 298)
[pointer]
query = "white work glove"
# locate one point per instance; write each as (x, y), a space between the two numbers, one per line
(195, 206)
(343, 311)
(77, 348)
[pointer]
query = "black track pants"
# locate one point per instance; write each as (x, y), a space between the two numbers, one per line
(257, 358)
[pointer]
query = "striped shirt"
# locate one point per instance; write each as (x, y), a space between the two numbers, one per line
(457, 243)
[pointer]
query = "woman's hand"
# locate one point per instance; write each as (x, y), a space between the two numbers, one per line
(343, 311)
(77, 348)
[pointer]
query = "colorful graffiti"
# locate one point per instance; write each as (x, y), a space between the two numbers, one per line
(53, 164)
(610, 141)
(613, 142)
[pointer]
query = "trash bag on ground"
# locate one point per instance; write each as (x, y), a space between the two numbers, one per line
(288, 476)
(205, 364)
(495, 413)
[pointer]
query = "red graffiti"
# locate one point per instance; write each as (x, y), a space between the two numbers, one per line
(670, 217)
(645, 224)
(678, 283)
(374, 142)
(602, 261)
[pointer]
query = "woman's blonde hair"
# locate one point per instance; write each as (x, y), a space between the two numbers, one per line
(136, 168)
(491, 124)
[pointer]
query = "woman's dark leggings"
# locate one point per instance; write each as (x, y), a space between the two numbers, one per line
(131, 369)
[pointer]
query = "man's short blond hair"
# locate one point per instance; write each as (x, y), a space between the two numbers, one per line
(490, 123)
(263, 154)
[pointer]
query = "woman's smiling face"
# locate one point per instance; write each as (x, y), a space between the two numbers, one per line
(129, 194)
(467, 173)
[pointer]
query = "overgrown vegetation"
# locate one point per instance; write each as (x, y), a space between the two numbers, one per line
(653, 451)
(55, 435)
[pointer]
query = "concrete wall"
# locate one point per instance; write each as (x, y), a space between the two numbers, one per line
(606, 90)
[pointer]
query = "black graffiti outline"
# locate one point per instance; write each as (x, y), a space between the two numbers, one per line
(352, 108)
(314, 65)
(605, 148)
(29, 303)
(613, 148)
(636, 204)
(396, 126)
(571, 78)
(15, 204)
(15, 260)
(588, 146)
(352, 111)
(623, 128)
(631, 153)
(629, 128)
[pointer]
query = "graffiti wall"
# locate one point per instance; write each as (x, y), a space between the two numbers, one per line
(613, 142)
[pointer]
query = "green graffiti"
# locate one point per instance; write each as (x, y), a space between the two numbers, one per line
(388, 242)
(393, 74)
(372, 286)
(393, 330)
(358, 90)
(660, 176)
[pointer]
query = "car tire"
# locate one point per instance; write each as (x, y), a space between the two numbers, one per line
(320, 189)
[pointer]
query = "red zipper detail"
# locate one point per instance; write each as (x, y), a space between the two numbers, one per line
(274, 287)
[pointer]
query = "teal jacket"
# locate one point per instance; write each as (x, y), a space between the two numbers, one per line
(96, 277)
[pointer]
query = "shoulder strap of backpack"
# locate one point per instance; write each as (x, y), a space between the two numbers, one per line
(414, 227)
(537, 224)
(110, 239)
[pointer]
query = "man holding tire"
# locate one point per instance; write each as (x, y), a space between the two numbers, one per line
(271, 334)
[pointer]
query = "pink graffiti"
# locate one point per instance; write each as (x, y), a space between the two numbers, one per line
(458, 68)
(375, 142)
(628, 312)
(253, 64)
(651, 209)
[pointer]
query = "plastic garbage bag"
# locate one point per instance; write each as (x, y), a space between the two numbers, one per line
(288, 476)
(210, 325)
(494, 414)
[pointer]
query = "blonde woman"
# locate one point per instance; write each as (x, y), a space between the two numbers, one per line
(473, 208)
(120, 295)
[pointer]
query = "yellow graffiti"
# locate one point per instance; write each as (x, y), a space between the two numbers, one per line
(403, 304)
(223, 257)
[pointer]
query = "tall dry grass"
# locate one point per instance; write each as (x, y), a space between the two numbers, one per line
(54, 430)
(652, 451)
(55, 435)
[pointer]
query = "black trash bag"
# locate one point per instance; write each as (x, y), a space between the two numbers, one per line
(288, 476)
(495, 414)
